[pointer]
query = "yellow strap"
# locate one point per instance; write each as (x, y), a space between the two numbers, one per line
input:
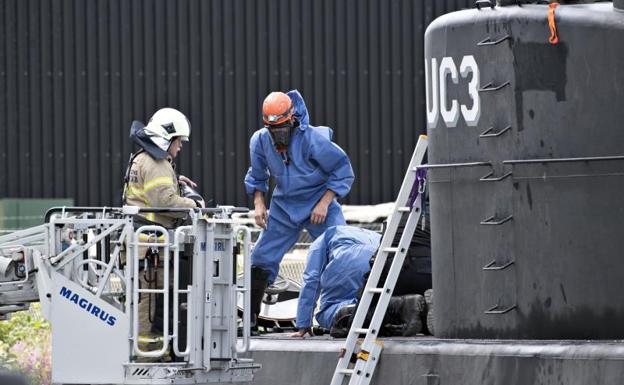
(150, 216)
(363, 355)
(159, 181)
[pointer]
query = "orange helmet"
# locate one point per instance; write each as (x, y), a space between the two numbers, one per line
(277, 108)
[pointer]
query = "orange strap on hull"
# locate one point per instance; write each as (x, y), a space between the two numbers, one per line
(554, 36)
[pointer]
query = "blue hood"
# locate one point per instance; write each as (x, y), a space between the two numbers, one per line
(141, 139)
(301, 112)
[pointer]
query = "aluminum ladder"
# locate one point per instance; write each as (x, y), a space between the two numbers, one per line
(408, 202)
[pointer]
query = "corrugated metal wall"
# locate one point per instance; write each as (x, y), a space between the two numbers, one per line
(75, 73)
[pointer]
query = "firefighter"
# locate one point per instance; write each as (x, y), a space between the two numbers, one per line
(151, 180)
(310, 172)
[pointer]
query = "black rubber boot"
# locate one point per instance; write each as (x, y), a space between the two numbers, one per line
(259, 282)
(411, 313)
(393, 312)
(405, 310)
(342, 321)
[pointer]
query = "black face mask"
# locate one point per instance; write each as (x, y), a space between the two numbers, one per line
(281, 134)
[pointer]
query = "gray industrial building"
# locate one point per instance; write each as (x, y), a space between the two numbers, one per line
(74, 74)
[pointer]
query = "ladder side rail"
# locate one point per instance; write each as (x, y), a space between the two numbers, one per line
(360, 316)
(179, 232)
(380, 260)
(32, 240)
(405, 190)
(393, 224)
(383, 300)
(164, 291)
(19, 235)
(362, 376)
(388, 237)
(368, 367)
(395, 268)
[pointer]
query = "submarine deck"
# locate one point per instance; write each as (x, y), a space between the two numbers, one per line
(431, 361)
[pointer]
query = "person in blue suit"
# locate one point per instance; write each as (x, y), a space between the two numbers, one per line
(337, 263)
(336, 270)
(310, 172)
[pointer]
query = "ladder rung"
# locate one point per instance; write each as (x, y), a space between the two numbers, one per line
(367, 358)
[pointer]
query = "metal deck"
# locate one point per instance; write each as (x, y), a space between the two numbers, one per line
(432, 361)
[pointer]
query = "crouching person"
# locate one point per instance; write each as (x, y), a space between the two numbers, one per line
(338, 262)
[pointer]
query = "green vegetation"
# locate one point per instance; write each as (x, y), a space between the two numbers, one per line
(25, 345)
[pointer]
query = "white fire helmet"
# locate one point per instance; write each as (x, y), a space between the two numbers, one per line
(168, 123)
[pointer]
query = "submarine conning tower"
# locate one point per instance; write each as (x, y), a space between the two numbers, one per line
(526, 175)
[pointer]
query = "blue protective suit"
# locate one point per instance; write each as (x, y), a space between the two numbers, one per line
(315, 165)
(337, 263)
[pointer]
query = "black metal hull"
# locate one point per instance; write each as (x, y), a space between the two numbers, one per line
(527, 235)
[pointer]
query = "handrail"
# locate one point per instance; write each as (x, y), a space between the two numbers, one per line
(120, 210)
(176, 296)
(563, 160)
(164, 291)
(246, 289)
(452, 165)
